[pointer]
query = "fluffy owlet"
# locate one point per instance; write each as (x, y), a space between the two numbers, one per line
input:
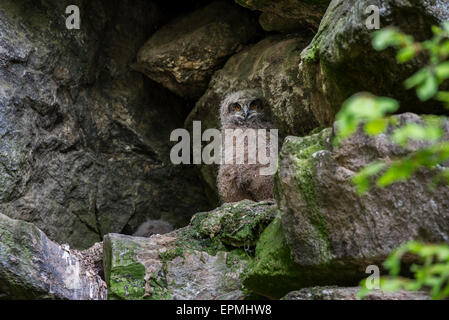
(245, 109)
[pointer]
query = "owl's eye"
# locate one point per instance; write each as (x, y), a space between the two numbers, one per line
(237, 107)
(254, 105)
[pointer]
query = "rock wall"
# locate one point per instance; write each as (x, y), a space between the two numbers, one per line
(85, 147)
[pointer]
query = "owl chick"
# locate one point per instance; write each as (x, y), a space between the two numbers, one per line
(244, 109)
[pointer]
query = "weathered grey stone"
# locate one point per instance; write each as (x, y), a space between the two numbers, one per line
(204, 260)
(350, 293)
(295, 14)
(139, 271)
(84, 139)
(184, 54)
(34, 267)
(333, 232)
(340, 60)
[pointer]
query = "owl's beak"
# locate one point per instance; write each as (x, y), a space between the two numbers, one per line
(246, 112)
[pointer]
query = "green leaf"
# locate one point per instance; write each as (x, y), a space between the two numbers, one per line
(428, 88)
(391, 285)
(442, 71)
(445, 26)
(436, 30)
(362, 107)
(363, 292)
(416, 79)
(443, 96)
(398, 171)
(376, 126)
(362, 178)
(430, 132)
(406, 54)
(385, 38)
(386, 105)
(444, 49)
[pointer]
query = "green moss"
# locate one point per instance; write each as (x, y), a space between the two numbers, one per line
(301, 150)
(241, 226)
(125, 275)
(316, 130)
(127, 282)
(311, 55)
(189, 238)
(235, 257)
(159, 289)
(273, 271)
(171, 254)
(21, 245)
(235, 225)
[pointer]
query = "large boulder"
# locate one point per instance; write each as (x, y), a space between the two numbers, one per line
(84, 147)
(184, 54)
(288, 15)
(327, 234)
(204, 260)
(350, 293)
(341, 61)
(34, 267)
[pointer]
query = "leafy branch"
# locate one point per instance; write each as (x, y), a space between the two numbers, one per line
(432, 271)
(372, 112)
(373, 115)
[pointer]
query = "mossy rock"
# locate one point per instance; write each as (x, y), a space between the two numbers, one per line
(204, 260)
(341, 61)
(333, 232)
(272, 272)
(236, 224)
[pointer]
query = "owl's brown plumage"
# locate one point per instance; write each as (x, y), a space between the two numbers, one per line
(242, 110)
